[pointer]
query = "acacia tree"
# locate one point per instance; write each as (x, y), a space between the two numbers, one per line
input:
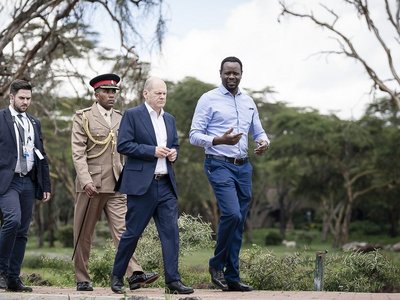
(389, 43)
(44, 38)
(51, 43)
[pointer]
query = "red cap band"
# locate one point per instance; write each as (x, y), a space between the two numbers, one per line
(105, 82)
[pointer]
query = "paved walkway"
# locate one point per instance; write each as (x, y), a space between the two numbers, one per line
(50, 293)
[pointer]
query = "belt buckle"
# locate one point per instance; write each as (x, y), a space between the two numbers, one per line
(158, 176)
(236, 161)
(21, 175)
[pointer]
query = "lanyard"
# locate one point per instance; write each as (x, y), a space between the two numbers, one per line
(20, 122)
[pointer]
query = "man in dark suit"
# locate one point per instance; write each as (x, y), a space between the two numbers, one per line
(149, 139)
(24, 176)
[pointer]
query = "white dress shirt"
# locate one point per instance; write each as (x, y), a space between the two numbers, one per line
(161, 136)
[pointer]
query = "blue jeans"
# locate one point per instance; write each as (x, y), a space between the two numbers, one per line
(232, 185)
(16, 206)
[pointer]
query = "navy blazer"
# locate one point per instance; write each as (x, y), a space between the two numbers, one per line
(137, 140)
(9, 155)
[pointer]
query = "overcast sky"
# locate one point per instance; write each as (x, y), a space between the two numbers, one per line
(278, 54)
(282, 55)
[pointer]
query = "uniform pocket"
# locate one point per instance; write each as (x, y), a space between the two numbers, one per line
(95, 173)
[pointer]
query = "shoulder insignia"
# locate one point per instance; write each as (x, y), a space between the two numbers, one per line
(81, 111)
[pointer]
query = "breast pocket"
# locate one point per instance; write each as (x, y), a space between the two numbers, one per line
(99, 132)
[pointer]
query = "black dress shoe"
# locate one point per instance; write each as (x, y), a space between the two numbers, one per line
(139, 279)
(117, 285)
(217, 277)
(3, 281)
(84, 286)
(16, 285)
(238, 287)
(177, 287)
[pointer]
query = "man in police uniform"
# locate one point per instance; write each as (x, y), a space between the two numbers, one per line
(98, 166)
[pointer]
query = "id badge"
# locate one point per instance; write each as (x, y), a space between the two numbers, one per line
(25, 151)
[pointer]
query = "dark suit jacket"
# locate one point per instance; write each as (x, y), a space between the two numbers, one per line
(9, 155)
(137, 140)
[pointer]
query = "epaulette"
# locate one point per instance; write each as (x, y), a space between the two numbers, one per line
(118, 112)
(81, 111)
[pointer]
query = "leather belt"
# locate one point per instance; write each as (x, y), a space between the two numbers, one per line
(22, 175)
(159, 176)
(232, 160)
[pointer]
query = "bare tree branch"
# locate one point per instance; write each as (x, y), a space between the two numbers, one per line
(349, 49)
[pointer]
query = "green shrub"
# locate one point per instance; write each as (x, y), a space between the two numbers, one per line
(62, 269)
(354, 272)
(361, 272)
(273, 238)
(66, 235)
(194, 234)
(265, 271)
(100, 265)
(365, 228)
(306, 237)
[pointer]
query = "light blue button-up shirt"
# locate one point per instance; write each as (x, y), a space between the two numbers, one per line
(216, 112)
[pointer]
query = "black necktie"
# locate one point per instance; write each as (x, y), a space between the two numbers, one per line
(22, 158)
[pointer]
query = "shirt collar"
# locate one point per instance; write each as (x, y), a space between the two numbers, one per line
(225, 91)
(14, 113)
(150, 110)
(104, 111)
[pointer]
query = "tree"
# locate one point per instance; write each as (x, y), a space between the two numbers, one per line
(389, 43)
(49, 43)
(46, 41)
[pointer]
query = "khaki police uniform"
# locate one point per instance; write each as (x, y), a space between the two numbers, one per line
(96, 160)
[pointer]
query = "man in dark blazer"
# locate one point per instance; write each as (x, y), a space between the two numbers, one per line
(24, 176)
(149, 139)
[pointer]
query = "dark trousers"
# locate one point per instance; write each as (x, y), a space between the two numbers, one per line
(16, 206)
(232, 186)
(160, 203)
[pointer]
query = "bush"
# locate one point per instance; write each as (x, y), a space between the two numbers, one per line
(265, 271)
(100, 265)
(62, 269)
(66, 236)
(354, 272)
(365, 228)
(273, 238)
(194, 234)
(362, 272)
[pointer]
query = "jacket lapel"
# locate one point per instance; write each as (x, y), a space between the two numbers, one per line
(169, 129)
(98, 117)
(10, 124)
(145, 116)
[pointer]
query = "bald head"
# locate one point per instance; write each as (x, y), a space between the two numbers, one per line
(155, 93)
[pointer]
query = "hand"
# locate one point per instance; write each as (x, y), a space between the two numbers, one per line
(227, 138)
(90, 190)
(162, 152)
(46, 196)
(172, 155)
(262, 146)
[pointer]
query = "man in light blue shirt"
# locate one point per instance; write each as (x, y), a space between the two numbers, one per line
(222, 121)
